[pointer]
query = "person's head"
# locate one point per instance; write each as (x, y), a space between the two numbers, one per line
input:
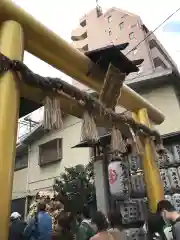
(41, 206)
(100, 221)
(115, 219)
(85, 213)
(64, 221)
(167, 211)
(15, 216)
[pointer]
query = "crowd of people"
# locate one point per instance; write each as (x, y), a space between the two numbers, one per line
(67, 226)
(84, 227)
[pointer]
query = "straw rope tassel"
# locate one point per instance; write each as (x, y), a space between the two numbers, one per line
(52, 113)
(137, 146)
(89, 130)
(117, 143)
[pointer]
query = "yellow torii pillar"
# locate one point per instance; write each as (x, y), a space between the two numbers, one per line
(11, 45)
(152, 178)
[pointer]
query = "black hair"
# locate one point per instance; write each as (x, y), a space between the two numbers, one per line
(86, 213)
(115, 218)
(100, 220)
(155, 223)
(65, 220)
(165, 205)
(41, 206)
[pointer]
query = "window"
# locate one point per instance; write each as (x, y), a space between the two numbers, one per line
(50, 152)
(131, 36)
(121, 25)
(134, 51)
(83, 23)
(110, 33)
(19, 205)
(21, 162)
(109, 19)
(159, 63)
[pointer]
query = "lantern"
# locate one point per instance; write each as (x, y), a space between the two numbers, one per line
(119, 181)
(176, 153)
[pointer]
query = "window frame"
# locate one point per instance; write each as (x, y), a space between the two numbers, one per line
(20, 156)
(59, 149)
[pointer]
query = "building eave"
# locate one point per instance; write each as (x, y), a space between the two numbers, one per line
(105, 139)
(170, 138)
(35, 135)
(154, 80)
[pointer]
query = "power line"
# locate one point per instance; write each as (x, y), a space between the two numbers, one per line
(154, 30)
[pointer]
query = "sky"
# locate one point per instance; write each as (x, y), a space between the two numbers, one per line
(63, 16)
(172, 26)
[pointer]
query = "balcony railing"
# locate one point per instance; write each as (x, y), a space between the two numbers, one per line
(79, 33)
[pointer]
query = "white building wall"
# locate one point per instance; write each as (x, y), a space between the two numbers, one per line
(164, 98)
(20, 184)
(36, 178)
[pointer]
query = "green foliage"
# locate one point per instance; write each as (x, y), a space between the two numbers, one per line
(76, 187)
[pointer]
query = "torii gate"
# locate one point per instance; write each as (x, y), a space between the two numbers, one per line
(19, 32)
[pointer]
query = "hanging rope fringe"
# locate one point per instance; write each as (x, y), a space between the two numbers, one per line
(137, 146)
(89, 131)
(117, 143)
(52, 113)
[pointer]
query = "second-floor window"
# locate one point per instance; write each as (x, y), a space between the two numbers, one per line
(50, 152)
(21, 162)
(131, 36)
